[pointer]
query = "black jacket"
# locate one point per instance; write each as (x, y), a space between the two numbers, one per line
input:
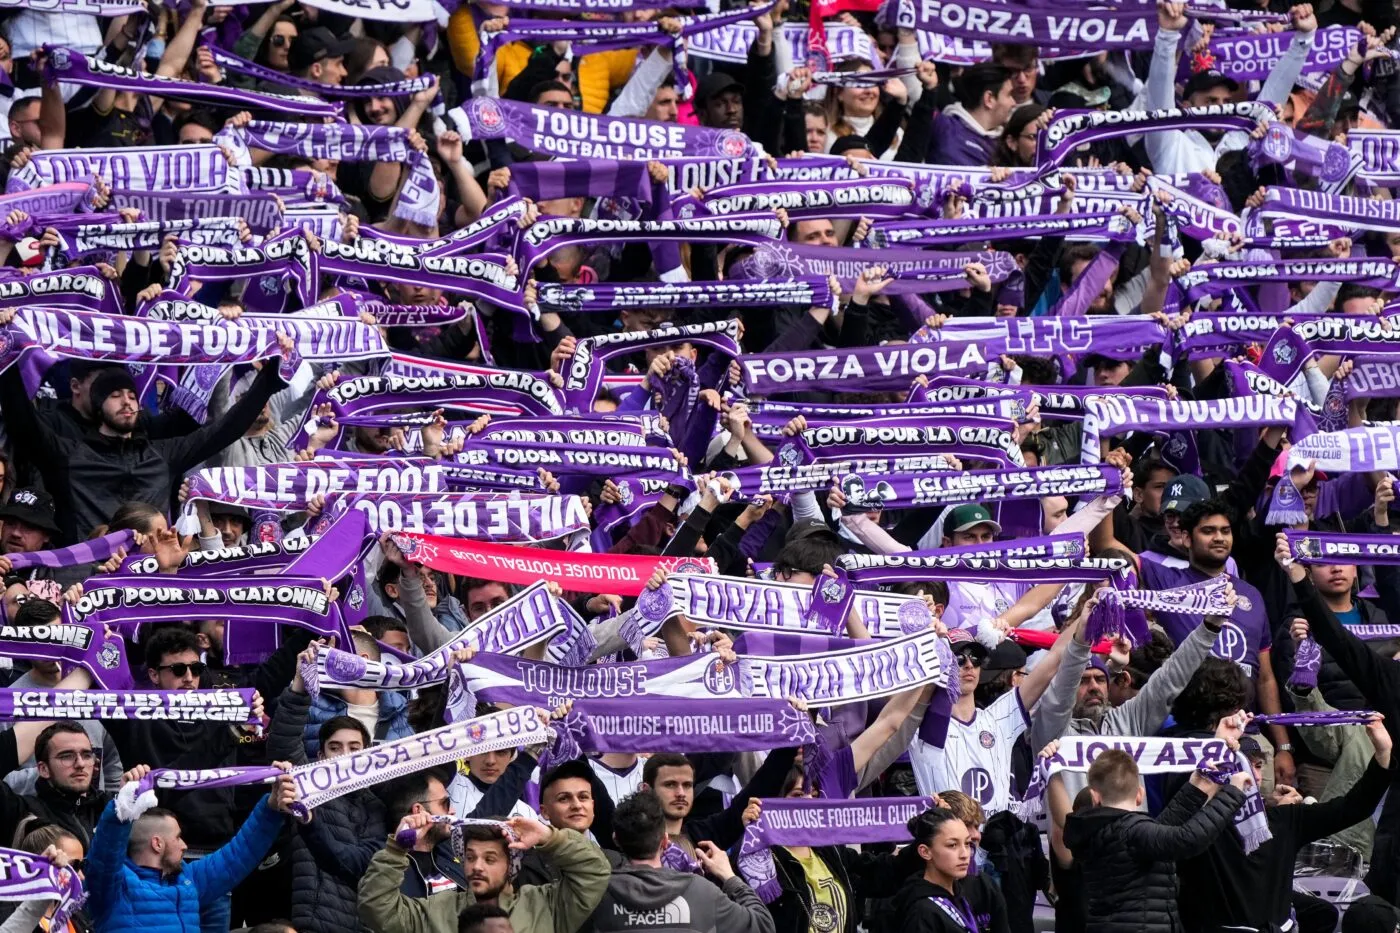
(1223, 887)
(76, 813)
(332, 852)
(863, 875)
(89, 476)
(923, 907)
(1378, 679)
(1128, 860)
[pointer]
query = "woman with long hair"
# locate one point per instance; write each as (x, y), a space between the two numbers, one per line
(64, 849)
(945, 898)
(873, 112)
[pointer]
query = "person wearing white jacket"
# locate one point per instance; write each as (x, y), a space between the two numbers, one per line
(1175, 152)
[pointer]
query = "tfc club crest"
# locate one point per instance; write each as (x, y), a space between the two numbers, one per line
(1284, 354)
(719, 677)
(732, 144)
(485, 112)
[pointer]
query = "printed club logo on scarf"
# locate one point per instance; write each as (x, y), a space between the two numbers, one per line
(1308, 548)
(732, 144)
(719, 677)
(485, 112)
(1284, 354)
(110, 656)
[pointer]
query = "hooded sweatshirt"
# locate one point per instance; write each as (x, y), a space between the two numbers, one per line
(643, 898)
(974, 906)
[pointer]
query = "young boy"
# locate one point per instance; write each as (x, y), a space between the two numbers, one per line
(1128, 858)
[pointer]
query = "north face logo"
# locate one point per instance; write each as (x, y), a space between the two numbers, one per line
(674, 914)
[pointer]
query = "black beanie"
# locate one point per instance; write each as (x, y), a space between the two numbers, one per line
(107, 382)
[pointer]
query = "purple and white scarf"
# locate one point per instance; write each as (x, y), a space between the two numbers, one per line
(737, 604)
(531, 616)
(831, 199)
(25, 876)
(871, 569)
(810, 291)
(1070, 129)
(866, 491)
(1130, 28)
(1153, 756)
(830, 678)
(260, 211)
(419, 199)
(1311, 547)
(476, 516)
(199, 168)
(286, 487)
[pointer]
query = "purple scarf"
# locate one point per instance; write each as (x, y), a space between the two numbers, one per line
(811, 291)
(789, 821)
(477, 516)
(865, 491)
(29, 876)
(830, 199)
(93, 551)
(915, 271)
(574, 134)
(868, 569)
(261, 211)
(229, 706)
(286, 487)
(1129, 28)
(583, 373)
(857, 369)
(419, 198)
(73, 67)
(830, 679)
(1310, 547)
(1071, 129)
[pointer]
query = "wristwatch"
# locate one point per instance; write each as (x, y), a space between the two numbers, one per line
(1284, 747)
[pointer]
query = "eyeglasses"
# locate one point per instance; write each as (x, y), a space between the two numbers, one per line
(968, 658)
(85, 755)
(440, 801)
(180, 668)
(279, 40)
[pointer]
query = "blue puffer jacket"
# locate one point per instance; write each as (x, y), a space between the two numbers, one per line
(125, 898)
(393, 718)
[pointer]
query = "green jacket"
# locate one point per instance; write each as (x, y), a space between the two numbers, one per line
(559, 907)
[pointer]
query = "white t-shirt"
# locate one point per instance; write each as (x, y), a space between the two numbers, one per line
(620, 784)
(464, 797)
(976, 755)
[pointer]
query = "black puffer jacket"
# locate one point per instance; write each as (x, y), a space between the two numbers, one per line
(332, 852)
(90, 475)
(1129, 862)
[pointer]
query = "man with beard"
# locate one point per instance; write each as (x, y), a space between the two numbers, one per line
(414, 885)
(1185, 151)
(1246, 637)
(138, 853)
(117, 462)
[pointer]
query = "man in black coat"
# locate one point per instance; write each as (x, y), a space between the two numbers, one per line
(1129, 858)
(116, 462)
(332, 852)
(1378, 679)
(66, 793)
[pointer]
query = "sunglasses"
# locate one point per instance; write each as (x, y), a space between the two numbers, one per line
(969, 657)
(279, 40)
(180, 668)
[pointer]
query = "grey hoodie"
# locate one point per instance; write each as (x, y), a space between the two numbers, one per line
(666, 901)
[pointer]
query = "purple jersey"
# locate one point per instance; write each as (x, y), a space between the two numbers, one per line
(1241, 639)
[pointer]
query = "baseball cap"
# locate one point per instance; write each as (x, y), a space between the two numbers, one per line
(314, 45)
(33, 507)
(961, 640)
(1184, 491)
(844, 144)
(1249, 747)
(714, 84)
(1208, 79)
(1370, 914)
(968, 516)
(1007, 656)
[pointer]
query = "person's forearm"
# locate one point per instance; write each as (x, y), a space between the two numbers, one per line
(178, 49)
(871, 534)
(384, 180)
(474, 199)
